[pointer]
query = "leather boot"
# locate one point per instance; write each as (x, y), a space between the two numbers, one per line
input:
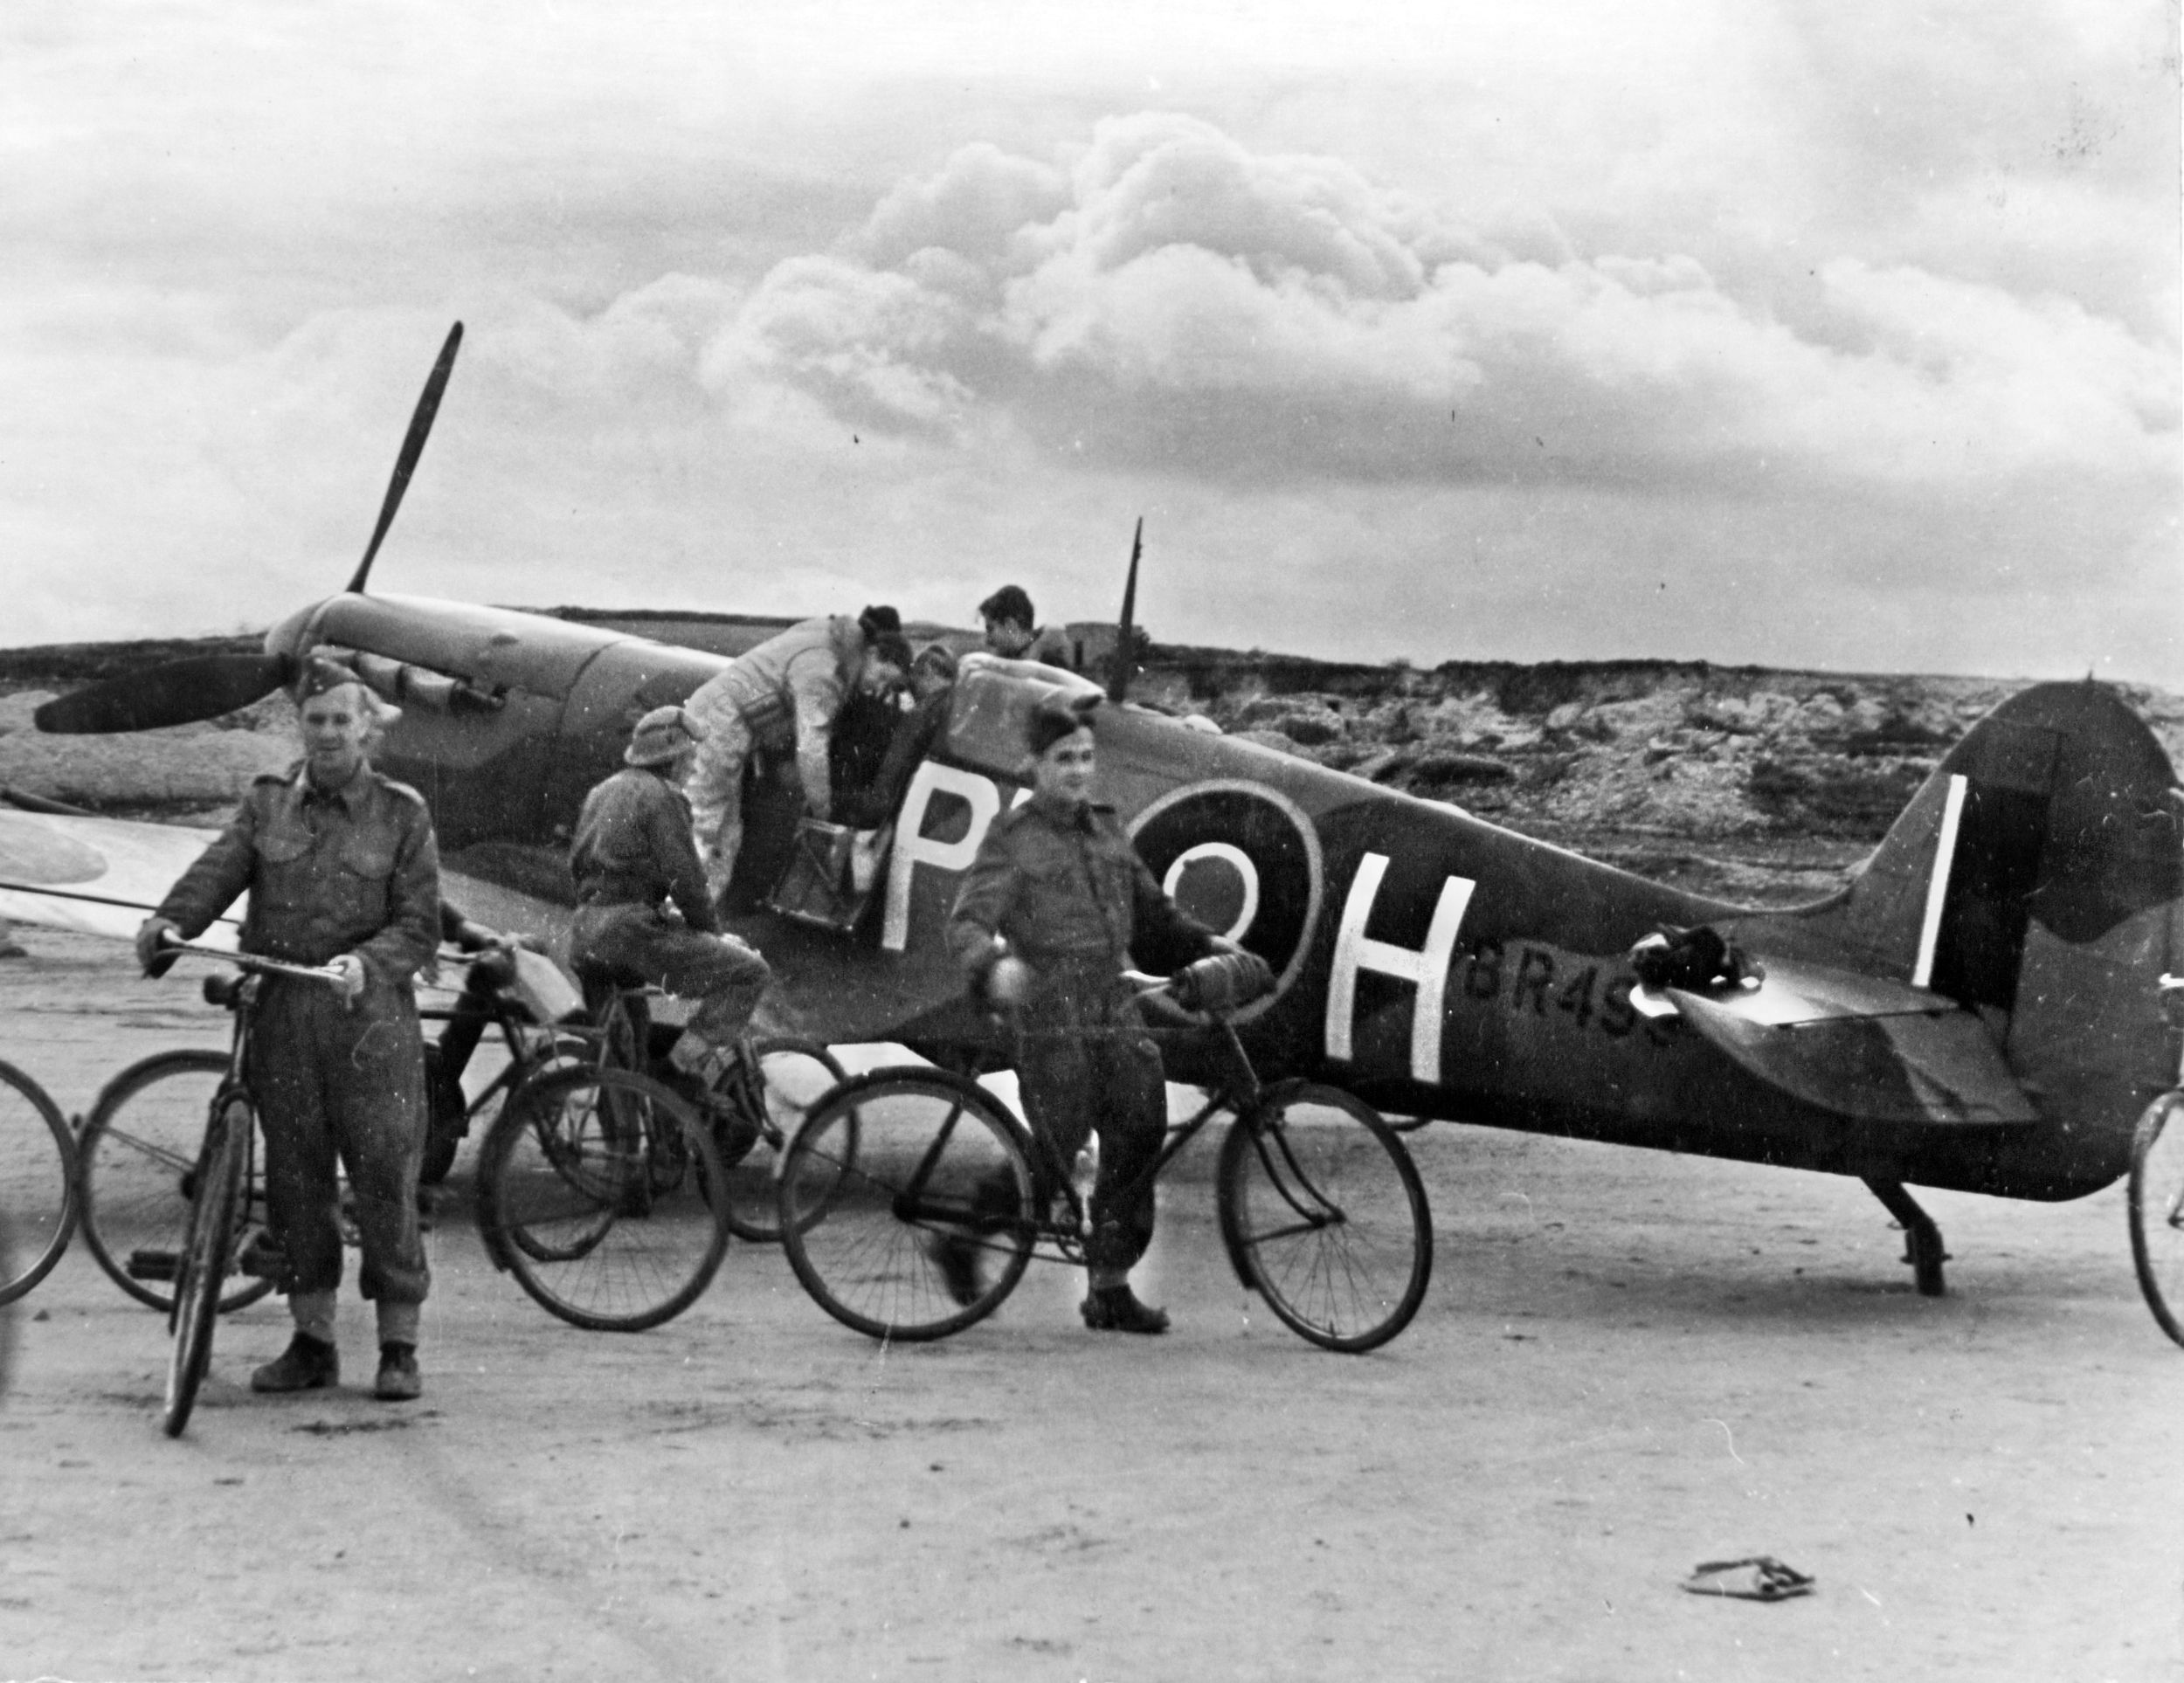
(308, 1364)
(1115, 1309)
(399, 1381)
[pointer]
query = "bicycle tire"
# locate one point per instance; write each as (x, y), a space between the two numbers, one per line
(134, 1162)
(887, 1170)
(35, 1148)
(793, 1076)
(2156, 1205)
(597, 1188)
(1325, 1215)
(222, 1169)
(527, 1051)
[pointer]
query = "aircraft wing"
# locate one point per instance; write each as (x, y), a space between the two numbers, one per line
(96, 876)
(103, 877)
(1862, 1047)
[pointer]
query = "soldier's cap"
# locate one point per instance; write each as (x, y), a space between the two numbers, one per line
(1055, 718)
(661, 735)
(320, 673)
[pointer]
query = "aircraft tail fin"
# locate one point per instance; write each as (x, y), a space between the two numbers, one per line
(2034, 879)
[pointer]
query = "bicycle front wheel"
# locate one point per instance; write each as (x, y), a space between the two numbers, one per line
(793, 1075)
(37, 1183)
(905, 1204)
(2156, 1203)
(599, 1189)
(208, 1249)
(136, 1168)
(1325, 1215)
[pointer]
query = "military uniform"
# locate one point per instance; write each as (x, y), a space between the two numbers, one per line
(632, 853)
(328, 872)
(784, 694)
(1065, 890)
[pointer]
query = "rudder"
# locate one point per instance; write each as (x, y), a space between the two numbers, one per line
(2034, 878)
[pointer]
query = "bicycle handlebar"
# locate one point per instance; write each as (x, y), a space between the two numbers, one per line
(325, 973)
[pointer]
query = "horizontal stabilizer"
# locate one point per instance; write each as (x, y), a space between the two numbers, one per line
(1862, 1047)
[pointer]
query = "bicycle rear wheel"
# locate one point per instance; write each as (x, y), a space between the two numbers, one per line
(37, 1183)
(599, 1189)
(793, 1075)
(2156, 1203)
(208, 1249)
(136, 1168)
(905, 1204)
(1325, 1215)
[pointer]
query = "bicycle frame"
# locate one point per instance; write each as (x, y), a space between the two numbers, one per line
(1238, 1093)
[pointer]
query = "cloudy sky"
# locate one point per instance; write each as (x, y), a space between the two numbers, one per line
(1831, 334)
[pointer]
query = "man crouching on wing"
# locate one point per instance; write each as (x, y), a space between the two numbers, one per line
(341, 869)
(1045, 923)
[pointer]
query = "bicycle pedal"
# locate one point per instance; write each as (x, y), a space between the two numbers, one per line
(153, 1265)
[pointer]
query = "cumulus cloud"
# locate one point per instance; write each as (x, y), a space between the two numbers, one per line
(1172, 297)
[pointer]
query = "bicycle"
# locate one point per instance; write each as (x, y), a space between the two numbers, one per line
(37, 1183)
(221, 1187)
(1322, 1211)
(754, 1111)
(569, 1238)
(137, 1155)
(2155, 1197)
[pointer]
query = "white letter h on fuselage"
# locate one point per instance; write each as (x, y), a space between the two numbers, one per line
(1427, 970)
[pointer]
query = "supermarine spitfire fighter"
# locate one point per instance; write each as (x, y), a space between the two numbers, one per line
(1976, 1010)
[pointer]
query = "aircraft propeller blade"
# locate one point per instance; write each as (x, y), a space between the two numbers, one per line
(413, 447)
(1125, 652)
(179, 693)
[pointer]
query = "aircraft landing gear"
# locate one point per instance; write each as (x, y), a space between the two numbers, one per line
(1921, 1240)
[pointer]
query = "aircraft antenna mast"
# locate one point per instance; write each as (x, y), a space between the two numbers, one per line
(1126, 632)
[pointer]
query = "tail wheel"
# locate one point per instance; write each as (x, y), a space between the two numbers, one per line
(2156, 1203)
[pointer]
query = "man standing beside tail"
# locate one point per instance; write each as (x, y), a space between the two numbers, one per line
(341, 869)
(1046, 919)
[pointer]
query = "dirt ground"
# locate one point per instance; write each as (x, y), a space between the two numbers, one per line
(1629, 1363)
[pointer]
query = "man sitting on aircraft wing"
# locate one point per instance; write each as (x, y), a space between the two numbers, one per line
(632, 854)
(342, 868)
(1045, 922)
(1013, 633)
(785, 692)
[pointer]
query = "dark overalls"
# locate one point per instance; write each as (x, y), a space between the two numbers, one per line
(351, 870)
(632, 853)
(1067, 891)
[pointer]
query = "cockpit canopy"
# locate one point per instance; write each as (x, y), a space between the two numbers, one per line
(994, 699)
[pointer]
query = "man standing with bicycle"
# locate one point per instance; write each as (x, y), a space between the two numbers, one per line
(1045, 923)
(342, 870)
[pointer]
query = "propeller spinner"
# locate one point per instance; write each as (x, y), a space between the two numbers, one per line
(204, 686)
